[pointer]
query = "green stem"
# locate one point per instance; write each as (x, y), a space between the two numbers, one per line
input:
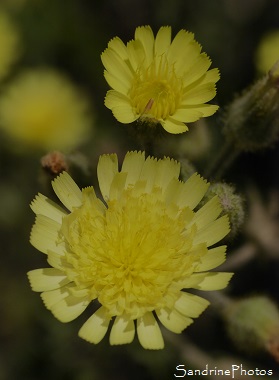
(222, 161)
(148, 147)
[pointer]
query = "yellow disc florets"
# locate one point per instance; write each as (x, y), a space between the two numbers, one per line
(156, 92)
(129, 254)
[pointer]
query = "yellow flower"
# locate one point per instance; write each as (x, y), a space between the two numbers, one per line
(9, 44)
(43, 110)
(160, 81)
(134, 253)
(267, 52)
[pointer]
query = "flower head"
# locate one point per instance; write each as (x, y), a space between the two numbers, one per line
(42, 109)
(134, 253)
(251, 119)
(159, 80)
(9, 48)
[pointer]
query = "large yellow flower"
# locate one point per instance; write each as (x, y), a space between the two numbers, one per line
(160, 81)
(134, 253)
(42, 109)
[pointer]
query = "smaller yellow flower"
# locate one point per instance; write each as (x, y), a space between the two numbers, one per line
(135, 252)
(159, 80)
(42, 109)
(267, 52)
(9, 44)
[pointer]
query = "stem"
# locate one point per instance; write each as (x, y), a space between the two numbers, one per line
(222, 161)
(219, 300)
(240, 257)
(148, 147)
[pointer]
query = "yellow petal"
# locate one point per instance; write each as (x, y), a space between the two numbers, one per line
(115, 99)
(167, 169)
(213, 232)
(173, 320)
(191, 281)
(67, 191)
(173, 190)
(50, 298)
(67, 308)
(212, 75)
(45, 206)
(181, 43)
(106, 170)
(195, 72)
(117, 45)
(199, 94)
(44, 235)
(115, 65)
(187, 115)
(89, 198)
(149, 333)
(95, 328)
(192, 192)
(145, 35)
(56, 260)
(136, 54)
(214, 257)
(117, 186)
(120, 106)
(123, 331)
(190, 305)
(118, 84)
(159, 173)
(205, 109)
(132, 166)
(148, 172)
(45, 279)
(208, 213)
(162, 40)
(173, 126)
(213, 281)
(124, 114)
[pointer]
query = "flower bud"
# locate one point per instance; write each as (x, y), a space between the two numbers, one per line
(252, 119)
(232, 204)
(253, 325)
(54, 162)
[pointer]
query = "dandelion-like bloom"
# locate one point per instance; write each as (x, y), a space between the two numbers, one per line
(134, 253)
(159, 80)
(42, 109)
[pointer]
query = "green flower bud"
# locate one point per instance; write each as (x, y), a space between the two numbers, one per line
(232, 204)
(253, 325)
(252, 119)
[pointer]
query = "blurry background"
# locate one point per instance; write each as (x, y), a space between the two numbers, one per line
(68, 37)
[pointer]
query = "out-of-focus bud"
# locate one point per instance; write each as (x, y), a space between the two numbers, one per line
(252, 119)
(54, 162)
(253, 325)
(231, 202)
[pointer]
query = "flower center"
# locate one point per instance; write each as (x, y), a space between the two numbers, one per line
(128, 256)
(156, 91)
